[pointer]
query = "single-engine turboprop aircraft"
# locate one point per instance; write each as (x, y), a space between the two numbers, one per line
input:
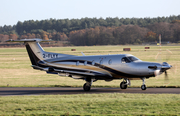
(93, 68)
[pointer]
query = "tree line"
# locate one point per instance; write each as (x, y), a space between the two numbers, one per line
(126, 34)
(93, 31)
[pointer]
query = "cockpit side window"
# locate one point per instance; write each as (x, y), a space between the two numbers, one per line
(132, 58)
(125, 60)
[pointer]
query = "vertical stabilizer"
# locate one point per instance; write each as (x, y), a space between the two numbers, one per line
(34, 59)
(36, 52)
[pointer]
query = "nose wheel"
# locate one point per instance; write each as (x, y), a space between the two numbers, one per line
(143, 87)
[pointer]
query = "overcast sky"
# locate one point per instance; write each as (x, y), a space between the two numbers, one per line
(12, 11)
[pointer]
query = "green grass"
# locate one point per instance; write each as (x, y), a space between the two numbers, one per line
(91, 104)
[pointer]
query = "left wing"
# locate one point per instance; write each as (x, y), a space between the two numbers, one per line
(80, 72)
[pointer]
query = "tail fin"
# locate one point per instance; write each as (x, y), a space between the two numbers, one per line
(36, 52)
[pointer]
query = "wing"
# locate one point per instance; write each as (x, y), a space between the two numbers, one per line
(73, 71)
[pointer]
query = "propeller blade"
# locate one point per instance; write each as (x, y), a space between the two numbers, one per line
(166, 79)
(158, 57)
(173, 70)
(166, 75)
(164, 65)
(168, 55)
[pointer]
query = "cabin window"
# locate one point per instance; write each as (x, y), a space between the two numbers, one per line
(85, 63)
(101, 62)
(110, 62)
(93, 62)
(77, 63)
(125, 60)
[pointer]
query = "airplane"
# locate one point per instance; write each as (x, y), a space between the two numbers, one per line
(92, 68)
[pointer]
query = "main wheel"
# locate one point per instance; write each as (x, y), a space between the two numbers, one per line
(143, 87)
(86, 87)
(123, 85)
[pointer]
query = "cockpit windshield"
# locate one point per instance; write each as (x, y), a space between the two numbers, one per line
(132, 58)
(129, 59)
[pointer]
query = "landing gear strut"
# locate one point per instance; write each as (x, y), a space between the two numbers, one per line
(143, 87)
(124, 83)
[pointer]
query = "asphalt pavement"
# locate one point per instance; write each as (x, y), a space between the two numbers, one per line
(13, 91)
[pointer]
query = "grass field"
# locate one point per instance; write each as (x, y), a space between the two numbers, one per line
(16, 71)
(91, 104)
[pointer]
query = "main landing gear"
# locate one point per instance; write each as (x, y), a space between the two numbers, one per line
(87, 85)
(125, 83)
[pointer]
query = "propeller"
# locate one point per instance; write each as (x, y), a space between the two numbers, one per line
(160, 71)
(174, 69)
(168, 55)
(173, 66)
(166, 81)
(165, 66)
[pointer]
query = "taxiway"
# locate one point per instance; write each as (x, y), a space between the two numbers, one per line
(11, 91)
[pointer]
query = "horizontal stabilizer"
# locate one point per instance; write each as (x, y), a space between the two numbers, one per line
(37, 67)
(28, 40)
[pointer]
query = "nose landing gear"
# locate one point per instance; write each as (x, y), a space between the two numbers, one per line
(143, 87)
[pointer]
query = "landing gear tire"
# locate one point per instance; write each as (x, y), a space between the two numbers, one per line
(143, 87)
(123, 85)
(86, 87)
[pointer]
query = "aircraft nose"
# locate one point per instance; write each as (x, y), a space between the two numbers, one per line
(165, 65)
